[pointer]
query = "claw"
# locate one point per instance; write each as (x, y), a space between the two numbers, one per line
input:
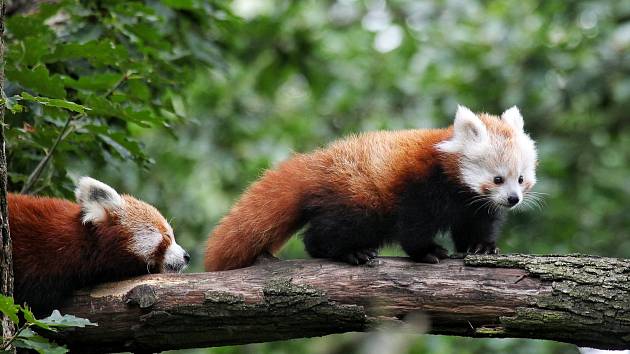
(429, 258)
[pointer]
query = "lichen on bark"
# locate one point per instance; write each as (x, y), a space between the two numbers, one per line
(583, 290)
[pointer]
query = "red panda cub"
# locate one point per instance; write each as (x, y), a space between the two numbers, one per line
(60, 246)
(374, 188)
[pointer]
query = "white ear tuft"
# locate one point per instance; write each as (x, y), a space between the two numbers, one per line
(513, 117)
(469, 132)
(96, 199)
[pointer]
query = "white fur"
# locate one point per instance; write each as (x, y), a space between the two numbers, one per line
(484, 156)
(97, 199)
(174, 258)
(513, 117)
(469, 133)
(145, 241)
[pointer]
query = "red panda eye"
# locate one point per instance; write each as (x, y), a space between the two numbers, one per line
(498, 180)
(520, 179)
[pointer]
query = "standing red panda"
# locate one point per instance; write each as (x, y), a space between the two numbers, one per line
(60, 246)
(380, 187)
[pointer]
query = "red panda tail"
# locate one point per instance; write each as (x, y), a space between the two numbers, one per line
(265, 217)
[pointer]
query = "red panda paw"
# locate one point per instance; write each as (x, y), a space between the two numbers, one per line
(436, 253)
(483, 248)
(359, 257)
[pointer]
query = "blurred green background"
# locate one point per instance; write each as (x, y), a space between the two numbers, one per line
(191, 100)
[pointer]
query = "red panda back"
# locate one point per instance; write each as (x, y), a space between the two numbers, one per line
(365, 170)
(39, 225)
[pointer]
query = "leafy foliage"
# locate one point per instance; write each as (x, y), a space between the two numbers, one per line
(26, 338)
(213, 99)
(91, 74)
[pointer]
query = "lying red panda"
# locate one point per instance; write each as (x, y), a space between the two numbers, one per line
(60, 246)
(383, 187)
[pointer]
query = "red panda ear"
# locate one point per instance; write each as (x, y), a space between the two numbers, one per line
(468, 132)
(468, 127)
(97, 199)
(513, 117)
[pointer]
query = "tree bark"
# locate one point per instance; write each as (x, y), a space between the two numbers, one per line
(6, 260)
(576, 299)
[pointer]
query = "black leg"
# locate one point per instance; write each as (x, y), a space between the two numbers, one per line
(344, 236)
(420, 247)
(477, 234)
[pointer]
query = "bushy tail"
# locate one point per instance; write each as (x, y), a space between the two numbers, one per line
(265, 217)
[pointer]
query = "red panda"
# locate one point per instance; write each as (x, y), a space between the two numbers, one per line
(60, 246)
(367, 190)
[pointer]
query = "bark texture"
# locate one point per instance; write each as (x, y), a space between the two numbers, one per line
(576, 299)
(6, 260)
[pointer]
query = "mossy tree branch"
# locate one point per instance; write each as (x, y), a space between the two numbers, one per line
(575, 299)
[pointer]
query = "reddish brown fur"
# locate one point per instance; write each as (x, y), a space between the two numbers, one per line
(54, 252)
(367, 170)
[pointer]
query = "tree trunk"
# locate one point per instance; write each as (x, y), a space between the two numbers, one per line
(6, 261)
(576, 299)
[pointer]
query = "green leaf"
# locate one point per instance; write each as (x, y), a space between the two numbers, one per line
(139, 89)
(31, 50)
(12, 104)
(38, 80)
(25, 26)
(104, 52)
(123, 146)
(9, 308)
(104, 107)
(54, 102)
(30, 318)
(60, 321)
(31, 340)
(182, 4)
(95, 82)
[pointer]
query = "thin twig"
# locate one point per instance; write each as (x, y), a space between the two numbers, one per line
(118, 83)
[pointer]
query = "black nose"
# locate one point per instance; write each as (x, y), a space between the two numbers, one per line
(186, 257)
(513, 200)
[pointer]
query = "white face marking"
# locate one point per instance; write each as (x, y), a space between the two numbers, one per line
(145, 242)
(174, 259)
(484, 156)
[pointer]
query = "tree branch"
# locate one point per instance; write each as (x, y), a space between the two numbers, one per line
(576, 299)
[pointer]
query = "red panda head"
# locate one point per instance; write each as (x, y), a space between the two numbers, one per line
(496, 158)
(147, 234)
